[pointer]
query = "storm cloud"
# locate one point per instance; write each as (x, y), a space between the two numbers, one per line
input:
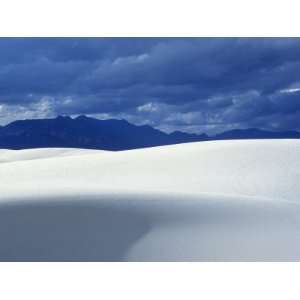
(189, 84)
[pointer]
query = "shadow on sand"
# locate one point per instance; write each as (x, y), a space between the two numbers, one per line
(68, 231)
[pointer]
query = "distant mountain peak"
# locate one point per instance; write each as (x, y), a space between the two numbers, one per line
(82, 117)
(84, 132)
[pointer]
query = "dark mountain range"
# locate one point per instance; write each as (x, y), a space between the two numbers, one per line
(254, 133)
(85, 132)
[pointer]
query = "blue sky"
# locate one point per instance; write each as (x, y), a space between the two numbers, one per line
(189, 84)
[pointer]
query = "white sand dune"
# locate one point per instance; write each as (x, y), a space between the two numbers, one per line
(29, 154)
(211, 201)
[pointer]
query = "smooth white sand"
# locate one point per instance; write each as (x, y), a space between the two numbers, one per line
(222, 200)
(29, 154)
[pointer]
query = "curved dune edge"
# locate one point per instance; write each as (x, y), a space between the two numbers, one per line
(148, 227)
(212, 201)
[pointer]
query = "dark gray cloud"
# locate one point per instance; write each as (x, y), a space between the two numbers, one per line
(192, 84)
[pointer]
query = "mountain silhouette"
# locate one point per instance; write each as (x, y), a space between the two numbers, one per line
(86, 132)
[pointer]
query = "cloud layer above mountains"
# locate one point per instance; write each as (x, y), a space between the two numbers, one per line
(189, 84)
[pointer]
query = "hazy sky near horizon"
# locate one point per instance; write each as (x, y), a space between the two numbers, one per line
(189, 84)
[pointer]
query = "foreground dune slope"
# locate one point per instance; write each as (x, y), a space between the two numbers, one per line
(221, 200)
